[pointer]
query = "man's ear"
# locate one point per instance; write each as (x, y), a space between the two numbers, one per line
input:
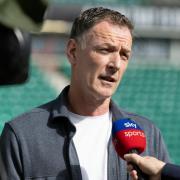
(71, 51)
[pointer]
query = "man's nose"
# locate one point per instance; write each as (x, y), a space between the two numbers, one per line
(114, 64)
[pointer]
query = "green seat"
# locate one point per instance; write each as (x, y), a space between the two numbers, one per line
(154, 93)
(17, 99)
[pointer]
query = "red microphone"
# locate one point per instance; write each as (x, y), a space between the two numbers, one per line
(128, 137)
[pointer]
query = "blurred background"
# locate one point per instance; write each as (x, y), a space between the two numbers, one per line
(150, 87)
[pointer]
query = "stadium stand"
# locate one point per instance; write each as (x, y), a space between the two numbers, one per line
(16, 99)
(154, 93)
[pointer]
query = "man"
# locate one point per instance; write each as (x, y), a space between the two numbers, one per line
(153, 167)
(70, 137)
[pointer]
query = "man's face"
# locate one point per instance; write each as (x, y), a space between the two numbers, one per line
(101, 60)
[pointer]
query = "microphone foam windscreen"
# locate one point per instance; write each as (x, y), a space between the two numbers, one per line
(128, 136)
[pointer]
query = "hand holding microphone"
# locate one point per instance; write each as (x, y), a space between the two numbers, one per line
(128, 137)
(149, 165)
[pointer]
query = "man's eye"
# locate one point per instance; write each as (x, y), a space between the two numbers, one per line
(104, 50)
(124, 56)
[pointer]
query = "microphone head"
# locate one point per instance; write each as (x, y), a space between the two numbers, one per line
(128, 137)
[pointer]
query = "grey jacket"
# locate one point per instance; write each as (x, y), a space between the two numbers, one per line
(38, 145)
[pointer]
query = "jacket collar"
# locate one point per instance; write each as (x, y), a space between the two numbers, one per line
(117, 113)
(61, 103)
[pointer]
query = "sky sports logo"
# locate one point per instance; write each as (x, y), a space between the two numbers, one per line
(128, 124)
(134, 133)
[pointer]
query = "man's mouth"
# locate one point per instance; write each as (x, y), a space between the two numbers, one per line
(107, 78)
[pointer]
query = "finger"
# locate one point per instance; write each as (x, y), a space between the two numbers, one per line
(129, 167)
(134, 175)
(132, 158)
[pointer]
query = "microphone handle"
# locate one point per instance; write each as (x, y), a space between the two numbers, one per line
(141, 175)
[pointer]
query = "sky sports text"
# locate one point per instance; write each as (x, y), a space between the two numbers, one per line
(134, 133)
